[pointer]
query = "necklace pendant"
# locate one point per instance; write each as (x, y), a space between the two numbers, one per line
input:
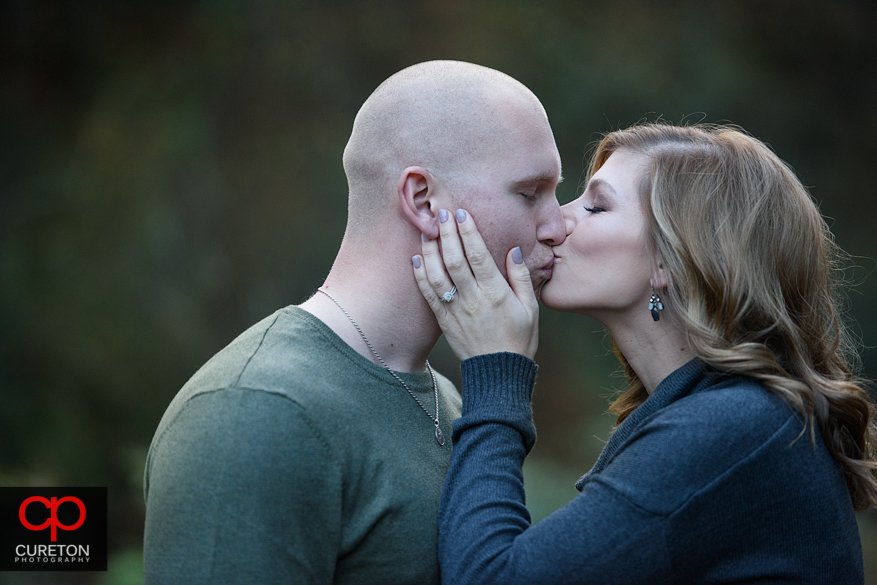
(439, 436)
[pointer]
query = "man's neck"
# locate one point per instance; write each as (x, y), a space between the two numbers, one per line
(384, 300)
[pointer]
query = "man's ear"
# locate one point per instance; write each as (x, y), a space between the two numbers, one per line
(416, 190)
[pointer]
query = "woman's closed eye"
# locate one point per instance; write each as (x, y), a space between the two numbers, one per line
(594, 209)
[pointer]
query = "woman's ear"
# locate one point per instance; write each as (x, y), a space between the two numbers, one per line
(416, 190)
(659, 277)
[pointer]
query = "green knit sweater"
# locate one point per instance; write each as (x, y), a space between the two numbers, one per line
(290, 458)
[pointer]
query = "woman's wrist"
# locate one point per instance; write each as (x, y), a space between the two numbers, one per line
(498, 380)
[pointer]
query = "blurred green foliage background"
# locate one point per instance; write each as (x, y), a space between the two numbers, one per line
(171, 173)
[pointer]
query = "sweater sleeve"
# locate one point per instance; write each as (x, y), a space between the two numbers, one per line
(485, 534)
(241, 488)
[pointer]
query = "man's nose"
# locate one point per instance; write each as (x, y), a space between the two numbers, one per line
(552, 230)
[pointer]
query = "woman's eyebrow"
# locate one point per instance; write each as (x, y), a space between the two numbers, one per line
(595, 183)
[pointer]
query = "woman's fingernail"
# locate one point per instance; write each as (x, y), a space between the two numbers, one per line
(461, 216)
(517, 256)
(416, 261)
(425, 237)
(443, 215)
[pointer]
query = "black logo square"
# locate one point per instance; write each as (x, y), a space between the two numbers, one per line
(53, 529)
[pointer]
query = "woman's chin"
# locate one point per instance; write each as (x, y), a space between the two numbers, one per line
(551, 299)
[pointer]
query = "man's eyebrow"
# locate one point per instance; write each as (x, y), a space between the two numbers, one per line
(540, 178)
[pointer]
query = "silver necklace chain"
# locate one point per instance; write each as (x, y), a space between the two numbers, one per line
(439, 436)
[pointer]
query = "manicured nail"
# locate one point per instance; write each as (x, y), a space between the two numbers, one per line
(461, 216)
(443, 215)
(425, 237)
(517, 256)
(416, 261)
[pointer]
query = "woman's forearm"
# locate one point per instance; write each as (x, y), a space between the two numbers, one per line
(483, 506)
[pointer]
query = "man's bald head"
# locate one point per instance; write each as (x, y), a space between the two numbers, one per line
(448, 117)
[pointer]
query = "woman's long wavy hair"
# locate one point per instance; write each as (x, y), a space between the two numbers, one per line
(753, 279)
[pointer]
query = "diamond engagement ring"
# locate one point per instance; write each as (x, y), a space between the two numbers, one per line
(449, 296)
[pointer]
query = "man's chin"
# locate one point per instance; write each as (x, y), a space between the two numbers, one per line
(537, 288)
(539, 277)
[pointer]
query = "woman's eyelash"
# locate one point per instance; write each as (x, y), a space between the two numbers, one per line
(594, 209)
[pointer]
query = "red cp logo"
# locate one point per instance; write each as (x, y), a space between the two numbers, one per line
(52, 506)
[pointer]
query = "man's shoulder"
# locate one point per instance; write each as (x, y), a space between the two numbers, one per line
(283, 353)
(284, 356)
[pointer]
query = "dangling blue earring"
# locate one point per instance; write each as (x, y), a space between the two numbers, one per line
(655, 305)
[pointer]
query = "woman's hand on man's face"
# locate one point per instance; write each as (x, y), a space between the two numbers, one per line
(486, 314)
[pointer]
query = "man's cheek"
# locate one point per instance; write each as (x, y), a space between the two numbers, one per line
(497, 250)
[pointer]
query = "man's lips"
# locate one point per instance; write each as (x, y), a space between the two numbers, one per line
(546, 268)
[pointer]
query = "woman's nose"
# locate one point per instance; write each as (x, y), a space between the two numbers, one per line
(569, 218)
